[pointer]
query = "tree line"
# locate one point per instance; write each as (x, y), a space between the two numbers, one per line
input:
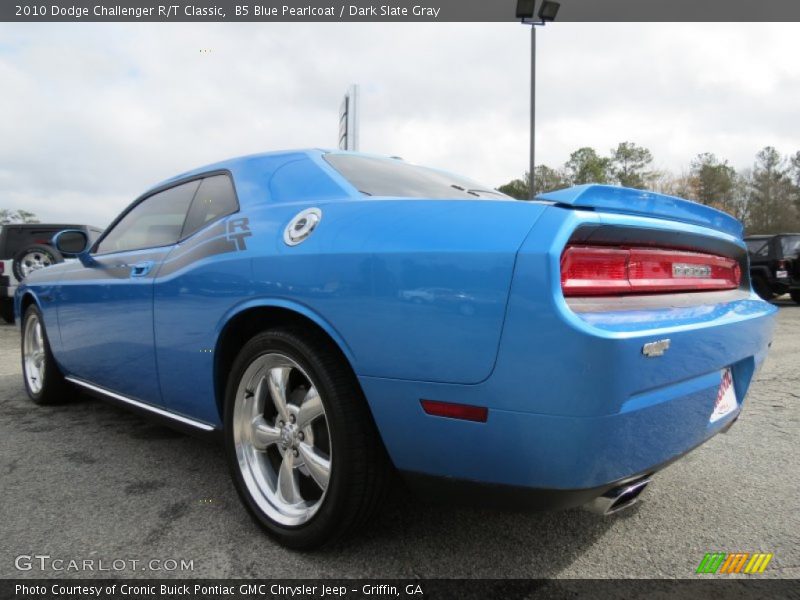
(766, 197)
(7, 217)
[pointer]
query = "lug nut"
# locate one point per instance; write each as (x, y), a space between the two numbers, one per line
(281, 423)
(292, 418)
(295, 452)
(301, 436)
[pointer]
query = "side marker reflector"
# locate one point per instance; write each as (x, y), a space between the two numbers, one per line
(455, 411)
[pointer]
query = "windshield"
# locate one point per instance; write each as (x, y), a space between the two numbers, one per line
(393, 177)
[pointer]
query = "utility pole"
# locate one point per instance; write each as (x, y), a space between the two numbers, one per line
(547, 12)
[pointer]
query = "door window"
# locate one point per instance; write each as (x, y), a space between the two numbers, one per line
(156, 221)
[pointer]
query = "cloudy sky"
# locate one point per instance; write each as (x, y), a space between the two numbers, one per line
(93, 114)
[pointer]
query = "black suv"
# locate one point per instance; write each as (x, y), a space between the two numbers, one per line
(25, 248)
(775, 264)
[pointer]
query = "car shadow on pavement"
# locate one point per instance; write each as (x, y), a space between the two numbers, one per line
(424, 538)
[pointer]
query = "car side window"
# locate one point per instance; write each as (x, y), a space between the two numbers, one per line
(790, 245)
(757, 247)
(156, 221)
(216, 198)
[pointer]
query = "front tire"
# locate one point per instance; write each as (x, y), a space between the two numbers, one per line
(304, 452)
(44, 381)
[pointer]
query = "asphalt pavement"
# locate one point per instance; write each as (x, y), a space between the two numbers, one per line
(90, 481)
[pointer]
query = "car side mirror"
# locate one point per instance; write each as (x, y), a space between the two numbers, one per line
(71, 242)
(74, 242)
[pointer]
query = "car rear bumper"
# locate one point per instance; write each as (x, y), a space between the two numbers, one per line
(539, 451)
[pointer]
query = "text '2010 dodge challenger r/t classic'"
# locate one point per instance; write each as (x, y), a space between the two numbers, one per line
(341, 316)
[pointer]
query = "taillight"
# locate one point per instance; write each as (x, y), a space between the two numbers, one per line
(602, 271)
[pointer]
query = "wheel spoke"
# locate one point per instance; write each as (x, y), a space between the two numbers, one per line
(278, 378)
(318, 466)
(264, 434)
(310, 409)
(287, 480)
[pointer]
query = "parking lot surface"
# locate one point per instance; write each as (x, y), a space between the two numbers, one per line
(88, 480)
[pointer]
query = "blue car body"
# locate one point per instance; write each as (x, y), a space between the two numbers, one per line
(452, 300)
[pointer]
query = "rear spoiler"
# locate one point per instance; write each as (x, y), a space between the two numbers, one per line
(641, 202)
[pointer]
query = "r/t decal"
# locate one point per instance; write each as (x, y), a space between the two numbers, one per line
(238, 230)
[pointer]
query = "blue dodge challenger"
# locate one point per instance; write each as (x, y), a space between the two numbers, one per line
(339, 317)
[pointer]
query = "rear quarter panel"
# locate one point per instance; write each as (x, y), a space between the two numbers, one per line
(411, 289)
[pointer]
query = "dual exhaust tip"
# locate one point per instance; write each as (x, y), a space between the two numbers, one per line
(619, 498)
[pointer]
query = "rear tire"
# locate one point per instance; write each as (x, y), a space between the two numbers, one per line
(44, 381)
(310, 466)
(7, 310)
(795, 294)
(33, 258)
(761, 287)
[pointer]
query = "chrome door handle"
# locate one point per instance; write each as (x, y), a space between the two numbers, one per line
(141, 269)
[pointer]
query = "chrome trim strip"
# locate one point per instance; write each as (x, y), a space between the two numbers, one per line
(590, 304)
(154, 409)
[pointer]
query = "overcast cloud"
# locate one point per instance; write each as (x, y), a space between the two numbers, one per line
(93, 114)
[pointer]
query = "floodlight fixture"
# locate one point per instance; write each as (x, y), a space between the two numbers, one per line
(548, 11)
(525, 9)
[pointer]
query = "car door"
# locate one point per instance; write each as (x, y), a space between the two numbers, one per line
(105, 303)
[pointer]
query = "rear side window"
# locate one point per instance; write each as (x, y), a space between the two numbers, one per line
(390, 177)
(19, 238)
(790, 245)
(758, 247)
(155, 221)
(214, 199)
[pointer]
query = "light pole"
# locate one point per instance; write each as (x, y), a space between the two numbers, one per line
(547, 12)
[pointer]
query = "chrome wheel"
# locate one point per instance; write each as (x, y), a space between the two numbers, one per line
(33, 261)
(281, 437)
(33, 349)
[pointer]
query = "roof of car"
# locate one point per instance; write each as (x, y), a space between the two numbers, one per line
(231, 163)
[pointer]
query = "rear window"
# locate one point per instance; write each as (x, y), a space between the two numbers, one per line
(374, 176)
(790, 245)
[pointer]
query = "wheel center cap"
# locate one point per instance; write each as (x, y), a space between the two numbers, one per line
(288, 435)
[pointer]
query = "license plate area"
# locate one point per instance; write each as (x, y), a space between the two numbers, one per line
(726, 402)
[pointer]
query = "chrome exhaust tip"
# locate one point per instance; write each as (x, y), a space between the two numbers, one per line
(619, 498)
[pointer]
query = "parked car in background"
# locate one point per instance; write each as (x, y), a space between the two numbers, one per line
(338, 317)
(25, 248)
(775, 264)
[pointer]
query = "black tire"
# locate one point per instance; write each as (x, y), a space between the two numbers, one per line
(761, 287)
(53, 389)
(795, 294)
(7, 310)
(32, 255)
(359, 469)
